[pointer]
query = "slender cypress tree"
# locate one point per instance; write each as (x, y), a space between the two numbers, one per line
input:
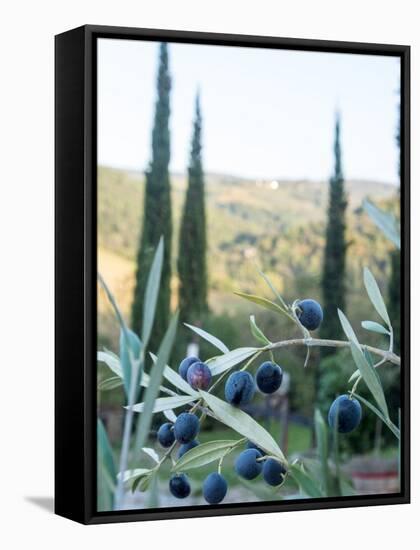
(333, 277)
(192, 267)
(157, 218)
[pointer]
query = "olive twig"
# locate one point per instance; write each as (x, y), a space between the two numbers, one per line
(319, 342)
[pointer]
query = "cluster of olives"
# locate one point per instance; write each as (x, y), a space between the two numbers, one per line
(184, 431)
(249, 464)
(344, 415)
(240, 388)
(214, 487)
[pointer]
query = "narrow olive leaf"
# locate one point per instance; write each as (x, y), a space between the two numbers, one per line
(155, 380)
(151, 452)
(142, 482)
(387, 421)
(375, 296)
(306, 484)
(105, 451)
(153, 495)
(112, 301)
(165, 403)
(369, 359)
(170, 415)
(112, 361)
(356, 373)
(257, 332)
(151, 293)
(110, 383)
(348, 329)
(128, 475)
(273, 288)
(130, 351)
(209, 337)
(385, 221)
(322, 447)
(175, 379)
(370, 377)
(129, 341)
(203, 454)
(373, 326)
(242, 423)
(111, 353)
(353, 377)
(262, 302)
(224, 362)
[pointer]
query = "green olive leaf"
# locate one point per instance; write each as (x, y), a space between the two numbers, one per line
(306, 483)
(375, 295)
(204, 454)
(371, 378)
(112, 361)
(243, 424)
(273, 288)
(386, 421)
(151, 293)
(128, 475)
(224, 362)
(151, 452)
(262, 302)
(385, 221)
(374, 327)
(209, 337)
(166, 403)
(348, 329)
(142, 482)
(257, 332)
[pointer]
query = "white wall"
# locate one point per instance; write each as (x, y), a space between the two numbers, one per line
(26, 304)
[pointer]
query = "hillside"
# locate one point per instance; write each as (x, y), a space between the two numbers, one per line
(245, 206)
(281, 224)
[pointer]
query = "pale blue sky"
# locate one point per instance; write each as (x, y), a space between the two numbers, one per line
(267, 113)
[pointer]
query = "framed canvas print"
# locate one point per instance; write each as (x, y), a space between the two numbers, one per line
(232, 274)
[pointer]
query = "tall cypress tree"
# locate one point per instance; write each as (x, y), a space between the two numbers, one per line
(157, 218)
(333, 277)
(192, 266)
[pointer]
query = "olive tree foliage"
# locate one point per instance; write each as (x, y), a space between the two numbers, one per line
(167, 391)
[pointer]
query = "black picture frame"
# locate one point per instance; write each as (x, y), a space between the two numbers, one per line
(75, 271)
